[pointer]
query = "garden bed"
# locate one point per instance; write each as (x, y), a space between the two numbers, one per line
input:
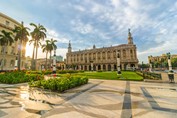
(60, 84)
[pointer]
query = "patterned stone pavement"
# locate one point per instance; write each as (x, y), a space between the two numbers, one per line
(98, 99)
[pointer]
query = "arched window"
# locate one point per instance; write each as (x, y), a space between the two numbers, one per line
(98, 55)
(114, 54)
(81, 57)
(131, 54)
(5, 61)
(109, 54)
(103, 55)
(12, 63)
(0, 62)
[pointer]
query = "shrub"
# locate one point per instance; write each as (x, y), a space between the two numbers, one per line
(67, 71)
(99, 71)
(18, 77)
(60, 84)
(149, 75)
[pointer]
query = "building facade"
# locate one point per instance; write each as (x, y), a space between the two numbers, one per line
(162, 58)
(58, 58)
(10, 53)
(103, 58)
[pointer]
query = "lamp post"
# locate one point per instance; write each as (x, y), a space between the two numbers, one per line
(142, 66)
(150, 65)
(16, 62)
(118, 64)
(169, 61)
(54, 62)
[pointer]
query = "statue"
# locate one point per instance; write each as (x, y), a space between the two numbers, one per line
(168, 55)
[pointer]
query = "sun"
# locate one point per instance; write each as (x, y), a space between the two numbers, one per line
(29, 49)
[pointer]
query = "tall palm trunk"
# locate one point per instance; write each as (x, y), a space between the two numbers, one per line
(50, 59)
(19, 55)
(46, 61)
(36, 55)
(33, 62)
(2, 63)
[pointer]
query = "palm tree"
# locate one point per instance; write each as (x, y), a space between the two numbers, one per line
(38, 34)
(34, 44)
(5, 39)
(52, 47)
(32, 61)
(21, 36)
(46, 48)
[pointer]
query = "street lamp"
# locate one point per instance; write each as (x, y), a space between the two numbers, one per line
(54, 62)
(16, 62)
(142, 66)
(169, 61)
(118, 64)
(150, 65)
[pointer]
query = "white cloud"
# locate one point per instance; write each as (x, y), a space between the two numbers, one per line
(81, 27)
(62, 52)
(80, 8)
(61, 38)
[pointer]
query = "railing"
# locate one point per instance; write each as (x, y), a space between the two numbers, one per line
(149, 75)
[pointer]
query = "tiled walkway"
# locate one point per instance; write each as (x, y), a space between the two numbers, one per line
(98, 99)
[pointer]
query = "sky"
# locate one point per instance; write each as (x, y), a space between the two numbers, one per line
(153, 23)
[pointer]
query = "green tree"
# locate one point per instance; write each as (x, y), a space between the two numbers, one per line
(46, 48)
(21, 36)
(34, 44)
(38, 34)
(5, 40)
(174, 62)
(52, 47)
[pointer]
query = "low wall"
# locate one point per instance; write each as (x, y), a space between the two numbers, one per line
(165, 77)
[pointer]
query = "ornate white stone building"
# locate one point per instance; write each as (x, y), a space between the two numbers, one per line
(11, 52)
(103, 58)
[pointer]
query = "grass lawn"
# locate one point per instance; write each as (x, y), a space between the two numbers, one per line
(126, 75)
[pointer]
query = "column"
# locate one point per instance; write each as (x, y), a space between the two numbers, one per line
(121, 54)
(128, 53)
(101, 67)
(83, 66)
(96, 67)
(16, 63)
(133, 52)
(96, 58)
(88, 67)
(123, 67)
(106, 67)
(112, 67)
(106, 55)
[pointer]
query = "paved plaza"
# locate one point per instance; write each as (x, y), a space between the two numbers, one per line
(97, 99)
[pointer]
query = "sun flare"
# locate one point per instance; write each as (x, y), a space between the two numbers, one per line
(29, 49)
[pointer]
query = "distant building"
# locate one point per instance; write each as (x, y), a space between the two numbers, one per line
(40, 64)
(58, 58)
(103, 58)
(28, 63)
(153, 59)
(11, 52)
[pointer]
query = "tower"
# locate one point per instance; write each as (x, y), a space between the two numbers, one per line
(69, 47)
(130, 38)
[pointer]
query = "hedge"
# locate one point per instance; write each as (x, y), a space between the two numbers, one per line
(60, 84)
(18, 77)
